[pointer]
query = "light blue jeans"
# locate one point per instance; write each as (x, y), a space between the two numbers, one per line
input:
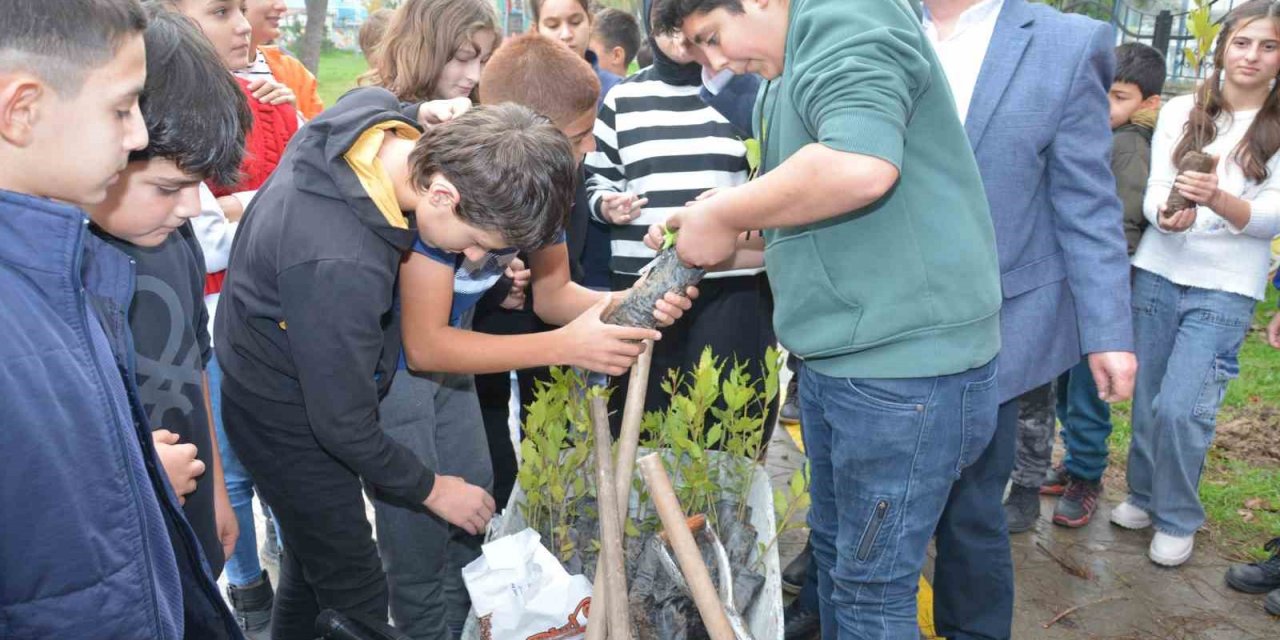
(1187, 341)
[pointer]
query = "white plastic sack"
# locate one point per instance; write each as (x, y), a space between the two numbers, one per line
(520, 591)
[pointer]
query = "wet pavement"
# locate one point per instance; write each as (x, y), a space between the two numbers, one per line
(1103, 572)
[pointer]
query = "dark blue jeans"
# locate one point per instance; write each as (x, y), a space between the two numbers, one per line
(973, 572)
(1086, 423)
(883, 456)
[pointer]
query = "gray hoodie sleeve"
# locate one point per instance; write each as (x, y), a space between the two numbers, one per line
(334, 312)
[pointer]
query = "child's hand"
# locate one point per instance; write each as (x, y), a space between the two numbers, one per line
(671, 307)
(656, 237)
(520, 276)
(460, 503)
(179, 462)
(440, 111)
(1201, 188)
(621, 208)
(1273, 332)
(1179, 221)
(231, 208)
(590, 343)
(272, 93)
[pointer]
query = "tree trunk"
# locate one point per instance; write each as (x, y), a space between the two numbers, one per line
(313, 34)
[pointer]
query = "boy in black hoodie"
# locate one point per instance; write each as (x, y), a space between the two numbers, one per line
(308, 327)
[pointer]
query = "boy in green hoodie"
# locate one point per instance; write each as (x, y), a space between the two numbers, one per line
(881, 255)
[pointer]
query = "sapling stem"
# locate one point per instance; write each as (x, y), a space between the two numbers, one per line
(628, 442)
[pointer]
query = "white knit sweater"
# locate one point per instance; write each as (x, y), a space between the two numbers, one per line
(1212, 254)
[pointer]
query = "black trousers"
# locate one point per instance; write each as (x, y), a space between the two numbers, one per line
(973, 544)
(330, 561)
(733, 316)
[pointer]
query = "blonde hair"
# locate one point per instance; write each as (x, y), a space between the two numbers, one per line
(421, 38)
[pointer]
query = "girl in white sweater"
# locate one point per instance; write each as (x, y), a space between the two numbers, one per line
(1199, 273)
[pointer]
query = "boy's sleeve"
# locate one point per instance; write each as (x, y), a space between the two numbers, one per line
(333, 316)
(605, 171)
(857, 74)
(1131, 164)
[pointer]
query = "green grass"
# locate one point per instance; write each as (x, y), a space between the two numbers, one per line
(338, 73)
(1228, 484)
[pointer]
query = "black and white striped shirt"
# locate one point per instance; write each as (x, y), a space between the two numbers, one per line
(659, 141)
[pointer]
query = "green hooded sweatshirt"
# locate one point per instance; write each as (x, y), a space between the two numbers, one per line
(909, 286)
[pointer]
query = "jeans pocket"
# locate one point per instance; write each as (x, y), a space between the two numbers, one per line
(872, 529)
(893, 394)
(981, 403)
(1226, 367)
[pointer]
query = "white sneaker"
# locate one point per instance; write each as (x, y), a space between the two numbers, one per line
(1130, 517)
(1171, 551)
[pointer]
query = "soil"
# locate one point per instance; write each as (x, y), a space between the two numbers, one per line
(668, 275)
(1192, 161)
(1250, 435)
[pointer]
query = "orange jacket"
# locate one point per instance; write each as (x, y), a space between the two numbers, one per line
(289, 70)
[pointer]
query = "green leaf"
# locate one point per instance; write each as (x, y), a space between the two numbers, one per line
(668, 238)
(753, 153)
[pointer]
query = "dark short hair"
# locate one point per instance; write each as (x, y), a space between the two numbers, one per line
(535, 7)
(617, 28)
(1140, 64)
(62, 40)
(543, 75)
(669, 15)
(644, 57)
(196, 114)
(514, 171)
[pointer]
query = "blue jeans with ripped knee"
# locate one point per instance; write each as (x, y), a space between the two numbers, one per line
(883, 456)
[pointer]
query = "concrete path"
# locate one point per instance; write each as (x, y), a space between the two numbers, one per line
(1122, 595)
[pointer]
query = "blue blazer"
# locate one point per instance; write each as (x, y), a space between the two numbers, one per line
(1038, 123)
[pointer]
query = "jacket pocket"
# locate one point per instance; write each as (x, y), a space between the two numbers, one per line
(1033, 275)
(811, 316)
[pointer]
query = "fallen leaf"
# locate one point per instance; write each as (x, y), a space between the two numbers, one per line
(1258, 504)
(1245, 515)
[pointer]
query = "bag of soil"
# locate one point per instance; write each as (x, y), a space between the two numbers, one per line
(666, 274)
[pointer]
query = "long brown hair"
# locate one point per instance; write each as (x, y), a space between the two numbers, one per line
(1262, 140)
(421, 38)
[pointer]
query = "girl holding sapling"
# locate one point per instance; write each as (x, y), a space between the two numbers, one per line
(1199, 272)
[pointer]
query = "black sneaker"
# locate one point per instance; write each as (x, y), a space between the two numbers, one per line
(252, 604)
(800, 623)
(1258, 577)
(797, 571)
(1022, 508)
(790, 411)
(1272, 603)
(1075, 509)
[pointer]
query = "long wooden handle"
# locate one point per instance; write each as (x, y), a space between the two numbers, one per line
(615, 576)
(628, 442)
(685, 548)
(629, 437)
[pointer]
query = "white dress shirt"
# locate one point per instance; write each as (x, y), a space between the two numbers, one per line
(963, 51)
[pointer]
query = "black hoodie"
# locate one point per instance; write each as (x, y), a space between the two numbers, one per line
(307, 329)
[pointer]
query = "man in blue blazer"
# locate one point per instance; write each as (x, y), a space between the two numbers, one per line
(1031, 86)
